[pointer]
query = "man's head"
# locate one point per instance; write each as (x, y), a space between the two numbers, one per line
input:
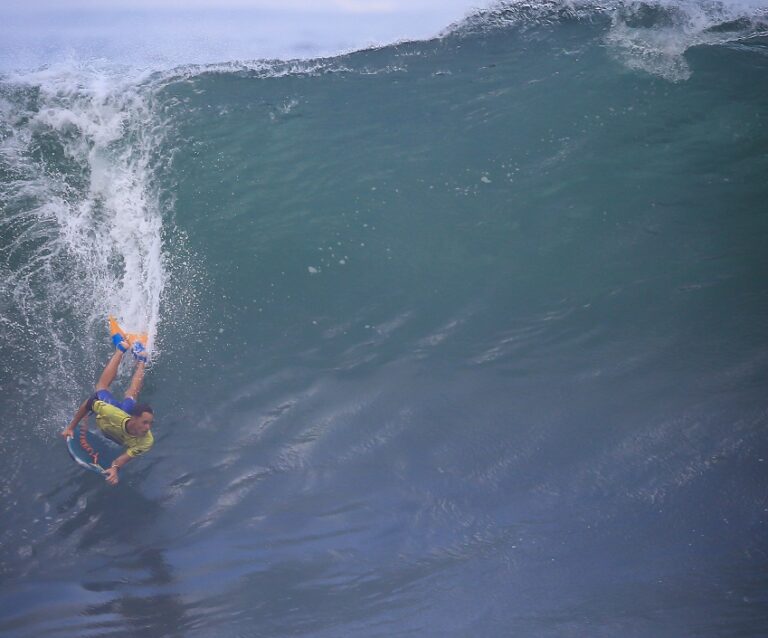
(141, 419)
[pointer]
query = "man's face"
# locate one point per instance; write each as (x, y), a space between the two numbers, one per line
(142, 423)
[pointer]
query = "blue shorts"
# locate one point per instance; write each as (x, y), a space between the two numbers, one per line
(126, 405)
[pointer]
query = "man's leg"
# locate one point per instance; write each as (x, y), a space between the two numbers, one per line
(110, 372)
(136, 382)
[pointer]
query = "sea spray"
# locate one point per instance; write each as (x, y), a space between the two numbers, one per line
(82, 220)
(648, 36)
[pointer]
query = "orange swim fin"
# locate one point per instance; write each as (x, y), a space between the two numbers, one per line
(136, 341)
(137, 337)
(118, 336)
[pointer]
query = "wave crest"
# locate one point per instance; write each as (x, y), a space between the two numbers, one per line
(649, 36)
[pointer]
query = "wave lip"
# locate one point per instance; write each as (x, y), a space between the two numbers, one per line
(648, 36)
(654, 37)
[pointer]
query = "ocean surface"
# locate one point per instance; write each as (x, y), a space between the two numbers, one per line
(457, 337)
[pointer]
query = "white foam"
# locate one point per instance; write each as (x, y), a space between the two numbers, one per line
(84, 224)
(657, 46)
(650, 36)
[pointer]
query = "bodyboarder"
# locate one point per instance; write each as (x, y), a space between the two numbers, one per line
(125, 422)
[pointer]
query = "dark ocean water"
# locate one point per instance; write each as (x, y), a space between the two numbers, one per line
(465, 337)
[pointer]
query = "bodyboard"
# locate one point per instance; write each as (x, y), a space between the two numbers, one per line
(106, 452)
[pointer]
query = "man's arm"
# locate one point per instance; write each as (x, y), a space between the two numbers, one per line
(81, 413)
(111, 473)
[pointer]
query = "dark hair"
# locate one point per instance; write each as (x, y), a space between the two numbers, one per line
(141, 408)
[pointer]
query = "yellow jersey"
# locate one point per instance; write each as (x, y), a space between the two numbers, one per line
(111, 421)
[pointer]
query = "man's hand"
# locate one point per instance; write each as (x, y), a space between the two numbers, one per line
(111, 475)
(82, 413)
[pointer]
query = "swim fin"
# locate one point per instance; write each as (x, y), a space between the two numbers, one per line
(138, 343)
(118, 336)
